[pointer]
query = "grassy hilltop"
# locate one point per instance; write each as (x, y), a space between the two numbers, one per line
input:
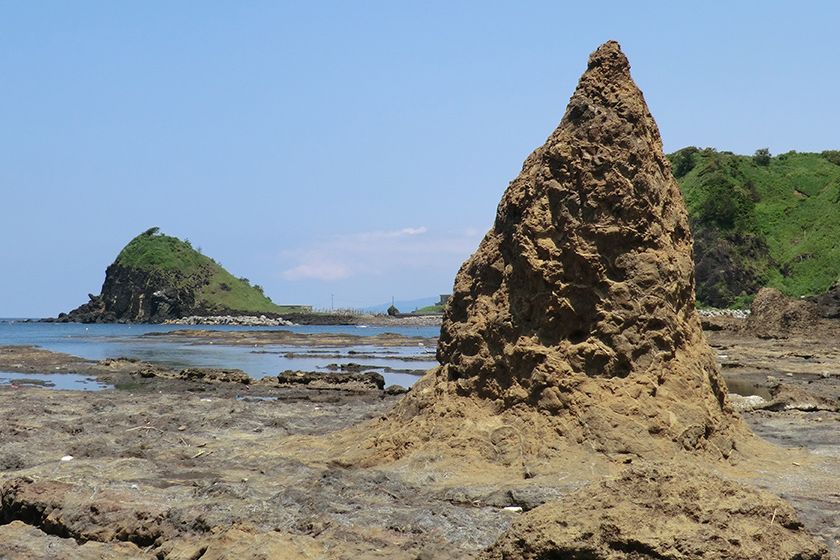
(761, 221)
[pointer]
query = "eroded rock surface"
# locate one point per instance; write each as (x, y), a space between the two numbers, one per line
(19, 540)
(588, 268)
(661, 513)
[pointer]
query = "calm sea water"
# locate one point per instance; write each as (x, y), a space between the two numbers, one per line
(100, 341)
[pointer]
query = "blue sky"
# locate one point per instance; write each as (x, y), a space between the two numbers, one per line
(348, 148)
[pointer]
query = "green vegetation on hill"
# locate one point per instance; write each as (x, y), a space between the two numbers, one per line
(152, 250)
(175, 260)
(761, 221)
(429, 310)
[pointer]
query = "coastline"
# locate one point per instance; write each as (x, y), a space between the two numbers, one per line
(322, 319)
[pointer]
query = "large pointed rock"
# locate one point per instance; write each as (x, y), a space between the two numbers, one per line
(588, 268)
(574, 321)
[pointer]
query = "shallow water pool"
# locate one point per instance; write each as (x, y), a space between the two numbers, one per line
(60, 381)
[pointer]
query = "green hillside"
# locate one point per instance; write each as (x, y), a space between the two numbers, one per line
(761, 220)
(216, 289)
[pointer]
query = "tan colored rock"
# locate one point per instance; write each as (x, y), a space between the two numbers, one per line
(774, 315)
(242, 544)
(661, 513)
(64, 508)
(19, 541)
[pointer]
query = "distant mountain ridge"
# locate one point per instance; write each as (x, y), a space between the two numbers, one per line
(158, 277)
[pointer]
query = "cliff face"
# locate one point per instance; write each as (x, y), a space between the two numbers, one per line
(158, 277)
(148, 296)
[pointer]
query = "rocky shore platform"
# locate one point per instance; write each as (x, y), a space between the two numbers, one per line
(176, 462)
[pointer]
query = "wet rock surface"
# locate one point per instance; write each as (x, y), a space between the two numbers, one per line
(363, 381)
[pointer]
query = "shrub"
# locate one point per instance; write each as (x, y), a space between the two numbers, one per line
(762, 156)
(725, 203)
(683, 161)
(832, 156)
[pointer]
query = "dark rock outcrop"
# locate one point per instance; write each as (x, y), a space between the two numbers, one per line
(725, 265)
(364, 381)
(828, 303)
(215, 375)
(136, 295)
(91, 312)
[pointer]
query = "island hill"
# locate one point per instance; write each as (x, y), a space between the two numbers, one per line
(158, 277)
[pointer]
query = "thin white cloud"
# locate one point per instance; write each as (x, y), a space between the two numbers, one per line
(326, 271)
(375, 253)
(413, 231)
(380, 234)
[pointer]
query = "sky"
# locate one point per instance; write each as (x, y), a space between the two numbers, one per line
(348, 152)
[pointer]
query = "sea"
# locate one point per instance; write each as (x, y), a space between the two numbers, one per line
(401, 365)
